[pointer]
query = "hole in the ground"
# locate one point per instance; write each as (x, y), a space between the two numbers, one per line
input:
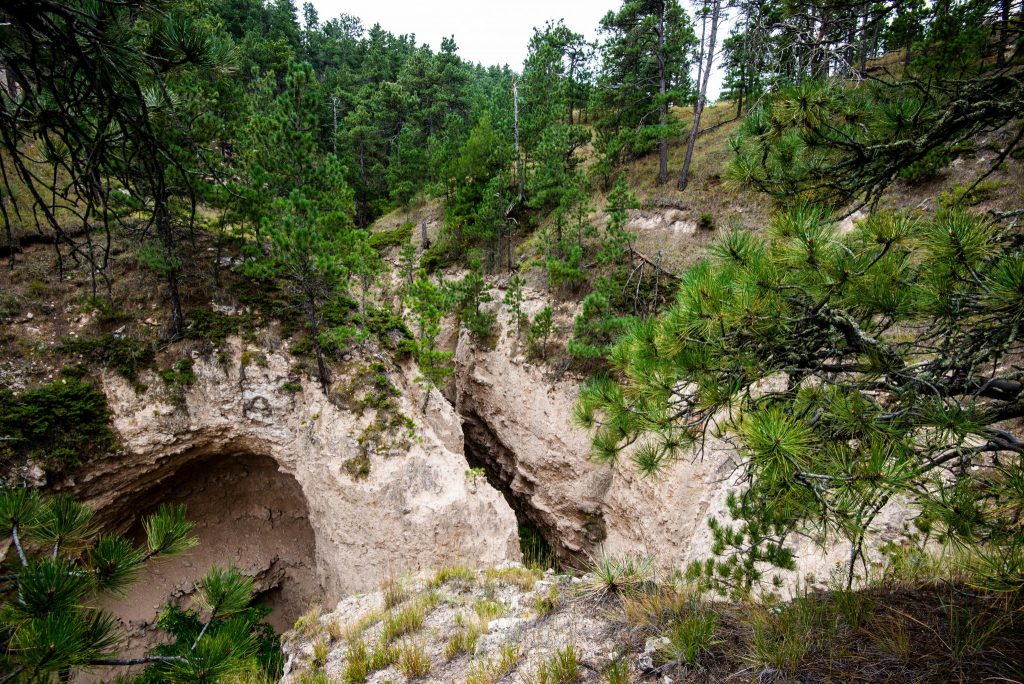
(485, 452)
(247, 514)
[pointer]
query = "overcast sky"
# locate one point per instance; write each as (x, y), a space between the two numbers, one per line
(485, 31)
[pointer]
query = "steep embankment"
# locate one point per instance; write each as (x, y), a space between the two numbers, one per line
(313, 496)
(517, 417)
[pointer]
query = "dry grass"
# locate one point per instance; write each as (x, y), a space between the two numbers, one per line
(463, 641)
(912, 633)
(413, 660)
(308, 624)
(394, 593)
(494, 670)
(522, 578)
(459, 574)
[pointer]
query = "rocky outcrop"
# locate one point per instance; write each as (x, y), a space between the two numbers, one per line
(394, 510)
(517, 417)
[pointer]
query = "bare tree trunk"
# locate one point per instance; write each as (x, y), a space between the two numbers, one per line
(166, 233)
(424, 240)
(703, 34)
(698, 111)
(519, 156)
(1004, 32)
(314, 330)
(743, 63)
(663, 103)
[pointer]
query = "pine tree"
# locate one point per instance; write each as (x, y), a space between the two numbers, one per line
(429, 302)
(88, 84)
(888, 344)
(313, 252)
(61, 565)
(541, 328)
(645, 69)
(513, 301)
(468, 295)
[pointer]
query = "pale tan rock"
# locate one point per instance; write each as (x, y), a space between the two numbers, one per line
(517, 416)
(415, 509)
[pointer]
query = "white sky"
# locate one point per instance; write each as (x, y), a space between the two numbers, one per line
(486, 31)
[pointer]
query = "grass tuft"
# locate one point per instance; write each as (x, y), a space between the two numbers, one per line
(563, 667)
(413, 660)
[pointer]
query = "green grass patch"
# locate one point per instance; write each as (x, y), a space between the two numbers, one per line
(386, 239)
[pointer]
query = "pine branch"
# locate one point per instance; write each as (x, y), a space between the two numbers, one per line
(126, 662)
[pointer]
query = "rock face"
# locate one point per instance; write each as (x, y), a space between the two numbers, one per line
(398, 511)
(519, 416)
(517, 419)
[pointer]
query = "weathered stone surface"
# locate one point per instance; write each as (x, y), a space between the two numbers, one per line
(517, 418)
(414, 509)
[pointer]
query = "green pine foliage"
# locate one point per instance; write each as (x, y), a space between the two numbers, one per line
(646, 45)
(61, 425)
(513, 301)
(882, 353)
(60, 565)
(429, 301)
(541, 328)
(469, 295)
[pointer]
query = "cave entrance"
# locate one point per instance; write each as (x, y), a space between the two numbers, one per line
(247, 514)
(484, 451)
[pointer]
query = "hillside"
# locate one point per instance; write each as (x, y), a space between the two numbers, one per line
(330, 357)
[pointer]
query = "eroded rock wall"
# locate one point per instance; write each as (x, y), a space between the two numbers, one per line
(519, 412)
(414, 508)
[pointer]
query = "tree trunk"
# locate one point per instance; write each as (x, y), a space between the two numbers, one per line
(744, 58)
(663, 103)
(314, 331)
(165, 230)
(520, 181)
(424, 240)
(1004, 33)
(703, 35)
(698, 111)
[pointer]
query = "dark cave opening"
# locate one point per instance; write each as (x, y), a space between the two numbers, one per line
(484, 451)
(247, 514)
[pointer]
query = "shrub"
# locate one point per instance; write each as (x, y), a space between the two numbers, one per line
(212, 326)
(928, 167)
(385, 239)
(706, 221)
(968, 195)
(181, 374)
(62, 424)
(125, 355)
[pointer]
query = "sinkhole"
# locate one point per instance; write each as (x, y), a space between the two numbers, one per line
(247, 514)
